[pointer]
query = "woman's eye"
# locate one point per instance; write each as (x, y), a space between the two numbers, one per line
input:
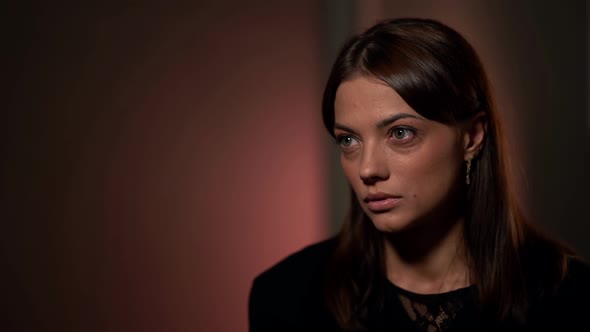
(402, 133)
(347, 141)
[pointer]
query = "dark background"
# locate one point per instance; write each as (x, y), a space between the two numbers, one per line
(156, 157)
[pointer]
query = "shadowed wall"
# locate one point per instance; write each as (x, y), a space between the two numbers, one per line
(158, 159)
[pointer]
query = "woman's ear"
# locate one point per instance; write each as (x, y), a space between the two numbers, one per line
(474, 133)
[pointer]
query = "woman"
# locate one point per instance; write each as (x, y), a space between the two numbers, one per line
(434, 239)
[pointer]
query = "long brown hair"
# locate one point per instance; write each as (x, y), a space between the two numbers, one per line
(437, 72)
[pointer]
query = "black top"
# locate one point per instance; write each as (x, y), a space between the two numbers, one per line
(289, 297)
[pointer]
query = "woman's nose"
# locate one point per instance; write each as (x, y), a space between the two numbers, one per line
(373, 165)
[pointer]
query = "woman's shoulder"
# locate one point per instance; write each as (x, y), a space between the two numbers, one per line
(288, 296)
(577, 279)
(567, 305)
(300, 265)
(574, 283)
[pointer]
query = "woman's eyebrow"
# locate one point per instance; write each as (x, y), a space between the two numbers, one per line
(383, 123)
(386, 122)
(345, 128)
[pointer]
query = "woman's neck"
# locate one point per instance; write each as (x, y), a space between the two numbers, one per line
(427, 261)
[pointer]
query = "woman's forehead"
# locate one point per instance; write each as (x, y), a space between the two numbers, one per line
(368, 97)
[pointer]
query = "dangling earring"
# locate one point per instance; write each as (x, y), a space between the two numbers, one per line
(467, 180)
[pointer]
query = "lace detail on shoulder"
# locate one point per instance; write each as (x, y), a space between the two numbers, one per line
(433, 313)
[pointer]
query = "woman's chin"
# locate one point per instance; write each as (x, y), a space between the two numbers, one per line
(385, 222)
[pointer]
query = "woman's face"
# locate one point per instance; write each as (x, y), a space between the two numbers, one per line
(404, 168)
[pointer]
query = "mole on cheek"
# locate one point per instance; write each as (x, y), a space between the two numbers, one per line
(414, 195)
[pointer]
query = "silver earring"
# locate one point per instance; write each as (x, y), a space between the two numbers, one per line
(467, 180)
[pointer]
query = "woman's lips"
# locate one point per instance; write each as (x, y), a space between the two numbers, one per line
(382, 202)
